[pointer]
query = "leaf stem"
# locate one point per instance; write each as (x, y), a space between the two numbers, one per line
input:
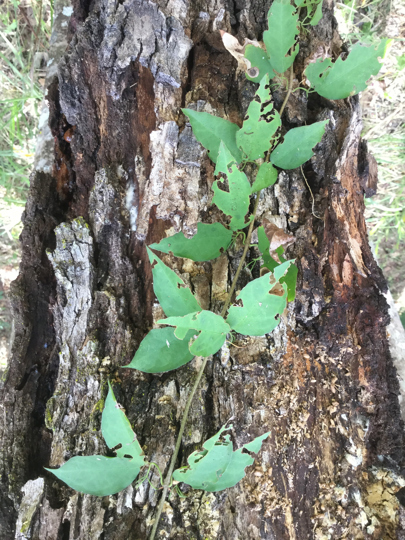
(289, 90)
(167, 482)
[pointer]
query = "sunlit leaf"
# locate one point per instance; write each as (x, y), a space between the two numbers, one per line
(212, 328)
(298, 144)
(259, 59)
(117, 430)
(217, 466)
(261, 123)
(282, 35)
(98, 475)
(208, 243)
(235, 202)
(266, 176)
(348, 77)
(210, 130)
(173, 296)
(264, 299)
(161, 351)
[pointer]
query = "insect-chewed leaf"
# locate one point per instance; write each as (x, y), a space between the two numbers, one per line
(290, 278)
(282, 35)
(263, 300)
(266, 176)
(317, 16)
(173, 296)
(117, 430)
(160, 351)
(235, 202)
(212, 328)
(261, 123)
(203, 246)
(347, 77)
(210, 130)
(297, 146)
(98, 475)
(259, 60)
(217, 466)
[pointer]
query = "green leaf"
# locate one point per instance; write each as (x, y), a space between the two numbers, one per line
(290, 278)
(173, 296)
(98, 475)
(266, 176)
(261, 123)
(259, 59)
(297, 146)
(117, 430)
(347, 77)
(262, 303)
(317, 16)
(217, 466)
(281, 35)
(235, 202)
(207, 244)
(212, 328)
(210, 130)
(161, 351)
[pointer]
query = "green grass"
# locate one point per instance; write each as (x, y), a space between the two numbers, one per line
(24, 32)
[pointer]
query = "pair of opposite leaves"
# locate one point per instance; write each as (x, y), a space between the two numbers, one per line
(214, 468)
(199, 332)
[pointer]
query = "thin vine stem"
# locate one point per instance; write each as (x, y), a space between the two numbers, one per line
(167, 482)
(289, 90)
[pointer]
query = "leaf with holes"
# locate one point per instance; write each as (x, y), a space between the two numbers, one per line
(116, 429)
(212, 328)
(98, 475)
(259, 60)
(298, 144)
(261, 123)
(161, 351)
(173, 296)
(235, 202)
(348, 77)
(290, 278)
(266, 176)
(264, 299)
(210, 130)
(208, 243)
(281, 37)
(317, 16)
(217, 466)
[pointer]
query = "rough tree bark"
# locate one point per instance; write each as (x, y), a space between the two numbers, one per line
(126, 171)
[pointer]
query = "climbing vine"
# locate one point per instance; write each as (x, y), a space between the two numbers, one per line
(188, 330)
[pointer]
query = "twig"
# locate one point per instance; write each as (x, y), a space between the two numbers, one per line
(312, 195)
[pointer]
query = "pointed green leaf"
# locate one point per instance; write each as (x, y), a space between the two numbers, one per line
(290, 278)
(212, 328)
(347, 77)
(297, 146)
(161, 351)
(235, 202)
(266, 176)
(282, 35)
(117, 430)
(210, 130)
(261, 123)
(173, 296)
(317, 16)
(261, 305)
(217, 466)
(98, 475)
(207, 244)
(259, 59)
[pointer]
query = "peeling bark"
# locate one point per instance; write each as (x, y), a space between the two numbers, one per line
(126, 172)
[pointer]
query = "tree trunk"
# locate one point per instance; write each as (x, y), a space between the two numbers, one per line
(126, 170)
